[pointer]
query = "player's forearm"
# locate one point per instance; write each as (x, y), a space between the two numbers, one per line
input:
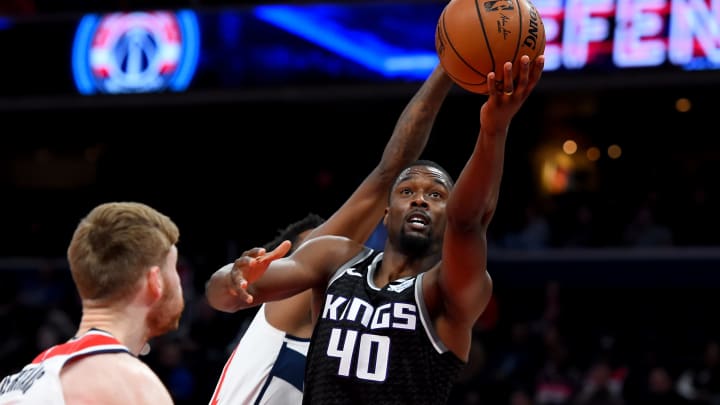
(413, 127)
(474, 199)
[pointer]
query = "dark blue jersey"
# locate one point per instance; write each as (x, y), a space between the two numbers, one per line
(376, 345)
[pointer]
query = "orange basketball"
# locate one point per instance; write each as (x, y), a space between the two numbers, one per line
(476, 37)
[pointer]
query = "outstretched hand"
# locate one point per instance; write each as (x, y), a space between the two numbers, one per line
(251, 266)
(505, 100)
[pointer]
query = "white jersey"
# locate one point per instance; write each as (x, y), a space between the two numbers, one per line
(39, 381)
(266, 367)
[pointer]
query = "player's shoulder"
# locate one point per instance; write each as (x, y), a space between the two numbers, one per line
(334, 241)
(331, 239)
(116, 377)
(327, 253)
(331, 246)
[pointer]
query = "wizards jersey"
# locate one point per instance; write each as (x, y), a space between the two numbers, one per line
(266, 367)
(375, 345)
(39, 381)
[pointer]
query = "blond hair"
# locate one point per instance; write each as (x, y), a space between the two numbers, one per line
(114, 244)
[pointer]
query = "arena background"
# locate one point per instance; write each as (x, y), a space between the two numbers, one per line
(606, 271)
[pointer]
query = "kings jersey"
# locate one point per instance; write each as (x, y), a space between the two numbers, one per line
(375, 345)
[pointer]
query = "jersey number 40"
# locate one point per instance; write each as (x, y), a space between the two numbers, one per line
(372, 353)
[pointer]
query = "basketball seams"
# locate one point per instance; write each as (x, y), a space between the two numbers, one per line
(444, 37)
(540, 50)
(455, 51)
(485, 36)
(518, 43)
(467, 58)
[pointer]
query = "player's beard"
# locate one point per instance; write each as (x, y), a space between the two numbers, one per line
(414, 244)
(165, 315)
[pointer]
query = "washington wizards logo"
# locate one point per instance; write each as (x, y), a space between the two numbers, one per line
(135, 52)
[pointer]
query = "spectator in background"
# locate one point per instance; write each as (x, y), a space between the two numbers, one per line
(557, 381)
(581, 232)
(601, 386)
(644, 230)
(701, 383)
(661, 389)
(534, 233)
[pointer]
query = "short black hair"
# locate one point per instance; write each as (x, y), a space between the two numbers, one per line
(293, 231)
(423, 162)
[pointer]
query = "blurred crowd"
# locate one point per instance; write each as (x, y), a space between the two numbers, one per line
(548, 343)
(676, 213)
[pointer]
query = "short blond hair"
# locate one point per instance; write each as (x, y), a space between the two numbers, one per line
(113, 245)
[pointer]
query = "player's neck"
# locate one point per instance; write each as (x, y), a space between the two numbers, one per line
(119, 324)
(395, 266)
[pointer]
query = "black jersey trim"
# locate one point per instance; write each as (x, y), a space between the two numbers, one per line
(364, 254)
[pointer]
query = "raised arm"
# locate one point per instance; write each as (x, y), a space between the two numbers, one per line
(464, 283)
(360, 214)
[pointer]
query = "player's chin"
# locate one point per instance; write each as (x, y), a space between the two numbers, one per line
(169, 325)
(174, 323)
(415, 241)
(165, 319)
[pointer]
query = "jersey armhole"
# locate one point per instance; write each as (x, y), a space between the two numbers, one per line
(425, 317)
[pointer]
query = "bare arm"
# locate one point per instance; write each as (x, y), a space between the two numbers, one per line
(464, 285)
(360, 214)
(259, 277)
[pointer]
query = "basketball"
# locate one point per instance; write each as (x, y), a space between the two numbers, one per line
(476, 37)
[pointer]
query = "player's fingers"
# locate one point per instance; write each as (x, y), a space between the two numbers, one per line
(241, 263)
(508, 86)
(254, 252)
(524, 67)
(537, 69)
(242, 294)
(492, 86)
(277, 253)
(237, 276)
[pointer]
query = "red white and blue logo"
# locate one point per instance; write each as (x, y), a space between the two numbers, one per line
(137, 52)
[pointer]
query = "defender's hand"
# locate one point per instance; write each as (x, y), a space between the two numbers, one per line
(251, 266)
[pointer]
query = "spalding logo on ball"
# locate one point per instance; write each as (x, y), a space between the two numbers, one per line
(474, 38)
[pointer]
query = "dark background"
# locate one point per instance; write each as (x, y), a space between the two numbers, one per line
(233, 167)
(208, 165)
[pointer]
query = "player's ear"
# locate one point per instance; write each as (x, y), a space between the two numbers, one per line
(154, 282)
(384, 221)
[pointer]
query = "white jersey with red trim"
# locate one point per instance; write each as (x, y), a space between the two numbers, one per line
(39, 381)
(267, 367)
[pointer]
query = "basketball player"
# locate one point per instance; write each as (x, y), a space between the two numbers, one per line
(394, 327)
(123, 261)
(268, 364)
